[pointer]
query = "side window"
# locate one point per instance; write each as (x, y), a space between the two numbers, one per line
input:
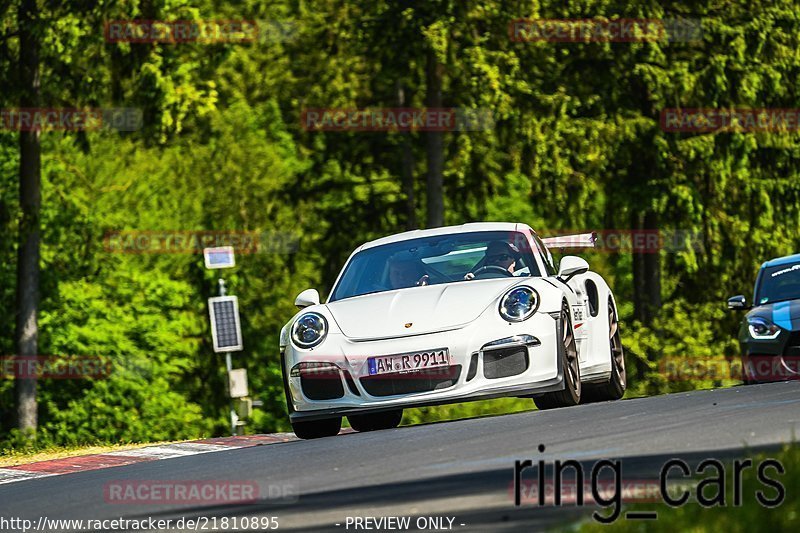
(551, 263)
(757, 285)
(547, 258)
(594, 299)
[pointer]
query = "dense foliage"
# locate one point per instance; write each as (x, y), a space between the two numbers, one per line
(576, 143)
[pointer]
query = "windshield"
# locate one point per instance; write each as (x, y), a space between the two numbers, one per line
(435, 260)
(779, 283)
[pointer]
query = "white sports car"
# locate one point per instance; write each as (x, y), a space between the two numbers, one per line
(449, 315)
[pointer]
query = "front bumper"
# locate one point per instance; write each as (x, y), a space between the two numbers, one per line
(770, 360)
(474, 374)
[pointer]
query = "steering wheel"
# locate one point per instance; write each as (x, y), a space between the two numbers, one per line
(492, 268)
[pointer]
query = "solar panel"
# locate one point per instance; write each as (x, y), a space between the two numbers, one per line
(226, 329)
(219, 257)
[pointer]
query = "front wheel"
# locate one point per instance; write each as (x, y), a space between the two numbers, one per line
(571, 395)
(748, 372)
(315, 429)
(376, 421)
(768, 369)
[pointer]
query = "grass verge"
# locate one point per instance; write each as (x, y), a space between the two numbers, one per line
(22, 456)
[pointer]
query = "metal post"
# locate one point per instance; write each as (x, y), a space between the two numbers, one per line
(229, 367)
(215, 258)
(234, 416)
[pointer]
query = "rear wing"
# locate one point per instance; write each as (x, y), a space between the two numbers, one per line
(581, 240)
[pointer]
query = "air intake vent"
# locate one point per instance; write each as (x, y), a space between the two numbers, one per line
(422, 381)
(319, 387)
(350, 383)
(505, 362)
(473, 366)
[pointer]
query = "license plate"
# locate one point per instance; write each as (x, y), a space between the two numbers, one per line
(408, 362)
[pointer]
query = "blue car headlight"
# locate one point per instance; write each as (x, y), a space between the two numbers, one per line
(761, 328)
(519, 304)
(309, 330)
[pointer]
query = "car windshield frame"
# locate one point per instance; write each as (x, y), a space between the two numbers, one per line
(442, 259)
(772, 276)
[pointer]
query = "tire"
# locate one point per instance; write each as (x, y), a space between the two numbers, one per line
(315, 429)
(287, 395)
(571, 394)
(376, 421)
(747, 379)
(778, 369)
(615, 387)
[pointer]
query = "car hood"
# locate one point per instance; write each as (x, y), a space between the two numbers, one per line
(784, 314)
(417, 310)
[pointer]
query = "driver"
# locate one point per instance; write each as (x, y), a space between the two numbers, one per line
(405, 273)
(502, 254)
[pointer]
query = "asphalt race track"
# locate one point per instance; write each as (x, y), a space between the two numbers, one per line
(462, 469)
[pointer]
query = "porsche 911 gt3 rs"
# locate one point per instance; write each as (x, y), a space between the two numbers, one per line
(449, 315)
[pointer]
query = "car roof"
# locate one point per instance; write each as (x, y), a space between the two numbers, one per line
(778, 261)
(445, 230)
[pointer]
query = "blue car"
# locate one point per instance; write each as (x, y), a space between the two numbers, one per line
(769, 335)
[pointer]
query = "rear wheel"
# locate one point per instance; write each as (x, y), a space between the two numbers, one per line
(315, 429)
(571, 395)
(376, 421)
(614, 389)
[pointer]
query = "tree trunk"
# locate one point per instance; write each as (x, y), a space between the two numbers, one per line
(435, 144)
(407, 168)
(638, 271)
(30, 202)
(652, 270)
(646, 270)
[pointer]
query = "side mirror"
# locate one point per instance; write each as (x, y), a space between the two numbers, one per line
(571, 265)
(307, 298)
(737, 302)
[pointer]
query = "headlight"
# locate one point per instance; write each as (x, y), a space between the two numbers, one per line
(519, 304)
(761, 328)
(309, 330)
